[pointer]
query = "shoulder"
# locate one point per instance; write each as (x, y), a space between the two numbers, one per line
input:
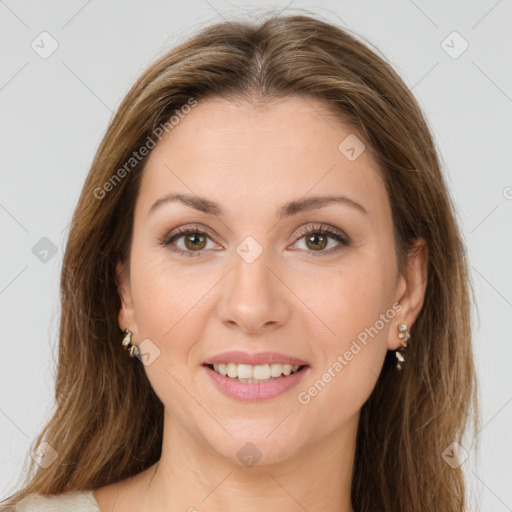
(76, 501)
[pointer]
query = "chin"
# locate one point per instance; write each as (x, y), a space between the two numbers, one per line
(256, 442)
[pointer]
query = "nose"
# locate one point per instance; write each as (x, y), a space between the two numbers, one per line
(254, 297)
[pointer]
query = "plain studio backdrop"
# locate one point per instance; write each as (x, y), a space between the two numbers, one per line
(65, 66)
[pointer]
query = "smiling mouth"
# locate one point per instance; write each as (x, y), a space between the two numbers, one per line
(255, 374)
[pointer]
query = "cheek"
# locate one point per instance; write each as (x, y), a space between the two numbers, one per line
(167, 296)
(349, 361)
(170, 313)
(356, 313)
(354, 298)
(164, 306)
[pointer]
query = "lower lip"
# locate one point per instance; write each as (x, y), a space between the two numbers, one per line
(255, 391)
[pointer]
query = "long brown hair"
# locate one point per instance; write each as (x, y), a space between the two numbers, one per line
(108, 421)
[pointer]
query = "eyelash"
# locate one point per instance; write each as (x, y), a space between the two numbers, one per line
(321, 229)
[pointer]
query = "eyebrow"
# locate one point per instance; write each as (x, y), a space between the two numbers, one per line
(291, 208)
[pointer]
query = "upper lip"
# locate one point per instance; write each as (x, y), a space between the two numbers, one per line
(240, 357)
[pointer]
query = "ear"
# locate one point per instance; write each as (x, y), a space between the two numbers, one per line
(126, 317)
(410, 291)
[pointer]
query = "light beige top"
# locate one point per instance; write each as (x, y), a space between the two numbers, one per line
(77, 501)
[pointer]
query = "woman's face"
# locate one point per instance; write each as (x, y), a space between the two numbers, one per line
(264, 280)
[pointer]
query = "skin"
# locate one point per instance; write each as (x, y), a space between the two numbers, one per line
(294, 299)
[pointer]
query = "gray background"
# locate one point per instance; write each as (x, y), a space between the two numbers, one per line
(54, 112)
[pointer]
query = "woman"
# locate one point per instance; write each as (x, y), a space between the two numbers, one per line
(265, 295)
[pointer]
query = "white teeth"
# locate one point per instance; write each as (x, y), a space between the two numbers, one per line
(232, 370)
(258, 373)
(275, 369)
(244, 371)
(287, 369)
(261, 372)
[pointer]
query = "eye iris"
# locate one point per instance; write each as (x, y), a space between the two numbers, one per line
(192, 238)
(314, 239)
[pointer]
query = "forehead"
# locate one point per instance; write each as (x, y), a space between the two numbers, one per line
(285, 149)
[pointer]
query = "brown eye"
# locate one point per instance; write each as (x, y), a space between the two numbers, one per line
(195, 241)
(317, 241)
(317, 238)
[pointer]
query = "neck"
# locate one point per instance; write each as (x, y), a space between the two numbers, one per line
(193, 477)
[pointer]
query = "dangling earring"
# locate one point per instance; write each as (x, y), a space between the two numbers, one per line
(403, 334)
(127, 340)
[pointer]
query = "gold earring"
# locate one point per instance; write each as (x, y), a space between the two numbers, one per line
(127, 340)
(403, 334)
